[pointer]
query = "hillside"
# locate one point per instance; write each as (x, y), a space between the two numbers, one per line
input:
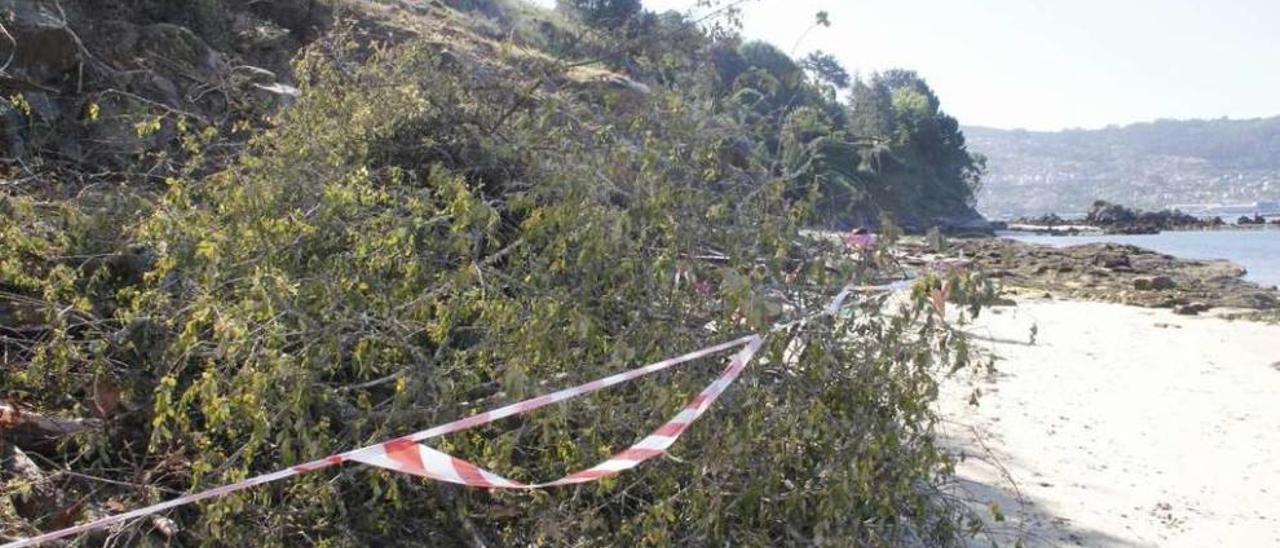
(1149, 166)
(239, 236)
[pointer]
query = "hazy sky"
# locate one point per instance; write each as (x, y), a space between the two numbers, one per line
(1050, 64)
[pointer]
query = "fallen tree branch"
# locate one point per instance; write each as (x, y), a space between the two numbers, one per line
(11, 417)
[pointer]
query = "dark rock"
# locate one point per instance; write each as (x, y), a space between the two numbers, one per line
(1153, 283)
(12, 125)
(966, 221)
(1112, 260)
(42, 47)
(1259, 300)
(180, 47)
(1190, 309)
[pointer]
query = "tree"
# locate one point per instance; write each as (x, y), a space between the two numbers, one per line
(768, 57)
(931, 167)
(871, 107)
(826, 68)
(609, 14)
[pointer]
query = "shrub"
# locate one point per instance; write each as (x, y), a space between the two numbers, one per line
(405, 247)
(609, 14)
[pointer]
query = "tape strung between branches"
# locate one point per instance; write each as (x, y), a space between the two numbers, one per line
(405, 454)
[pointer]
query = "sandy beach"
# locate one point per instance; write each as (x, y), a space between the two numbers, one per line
(1120, 426)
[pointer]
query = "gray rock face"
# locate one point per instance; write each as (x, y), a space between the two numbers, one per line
(962, 220)
(90, 73)
(967, 220)
(42, 48)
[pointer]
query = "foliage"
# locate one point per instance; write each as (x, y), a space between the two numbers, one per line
(609, 14)
(926, 140)
(826, 68)
(421, 236)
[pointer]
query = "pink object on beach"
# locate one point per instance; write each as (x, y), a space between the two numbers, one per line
(860, 242)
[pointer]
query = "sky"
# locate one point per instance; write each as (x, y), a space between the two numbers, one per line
(1048, 65)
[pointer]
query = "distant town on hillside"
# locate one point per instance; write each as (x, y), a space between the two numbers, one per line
(1203, 167)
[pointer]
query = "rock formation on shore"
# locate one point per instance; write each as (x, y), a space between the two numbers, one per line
(1120, 273)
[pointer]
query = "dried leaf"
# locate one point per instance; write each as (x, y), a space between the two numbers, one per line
(106, 396)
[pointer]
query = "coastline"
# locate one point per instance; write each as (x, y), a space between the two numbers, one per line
(1125, 405)
(1114, 273)
(1114, 425)
(1087, 229)
(1068, 229)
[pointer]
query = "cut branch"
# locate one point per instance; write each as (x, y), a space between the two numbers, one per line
(13, 418)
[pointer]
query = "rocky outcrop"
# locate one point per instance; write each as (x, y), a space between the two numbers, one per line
(95, 84)
(1119, 273)
(1112, 218)
(963, 220)
(40, 47)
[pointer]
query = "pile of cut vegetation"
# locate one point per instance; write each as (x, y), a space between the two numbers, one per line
(462, 206)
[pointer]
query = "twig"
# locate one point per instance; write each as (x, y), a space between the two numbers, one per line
(13, 53)
(372, 383)
(137, 486)
(157, 104)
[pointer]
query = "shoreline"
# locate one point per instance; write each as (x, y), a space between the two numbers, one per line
(1115, 273)
(1094, 230)
(1115, 425)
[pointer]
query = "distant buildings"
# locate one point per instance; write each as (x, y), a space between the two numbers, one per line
(1265, 208)
(1208, 167)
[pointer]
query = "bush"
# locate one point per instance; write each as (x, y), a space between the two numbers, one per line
(404, 247)
(609, 14)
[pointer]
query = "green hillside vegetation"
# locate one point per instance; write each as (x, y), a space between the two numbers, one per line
(216, 263)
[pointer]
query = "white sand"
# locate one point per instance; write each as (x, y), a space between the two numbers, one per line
(1123, 426)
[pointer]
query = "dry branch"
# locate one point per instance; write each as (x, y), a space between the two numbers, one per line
(13, 418)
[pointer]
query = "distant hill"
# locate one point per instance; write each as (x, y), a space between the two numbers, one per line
(1149, 165)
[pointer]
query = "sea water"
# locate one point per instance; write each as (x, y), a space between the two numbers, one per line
(1258, 250)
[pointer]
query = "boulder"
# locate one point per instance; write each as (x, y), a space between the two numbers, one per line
(1190, 309)
(42, 47)
(1153, 283)
(179, 47)
(1112, 260)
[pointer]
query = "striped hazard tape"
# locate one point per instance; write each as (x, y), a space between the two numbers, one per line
(407, 455)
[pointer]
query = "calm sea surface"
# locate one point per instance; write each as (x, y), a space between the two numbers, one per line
(1257, 250)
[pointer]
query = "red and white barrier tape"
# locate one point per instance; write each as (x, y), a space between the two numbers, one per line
(403, 455)
(406, 455)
